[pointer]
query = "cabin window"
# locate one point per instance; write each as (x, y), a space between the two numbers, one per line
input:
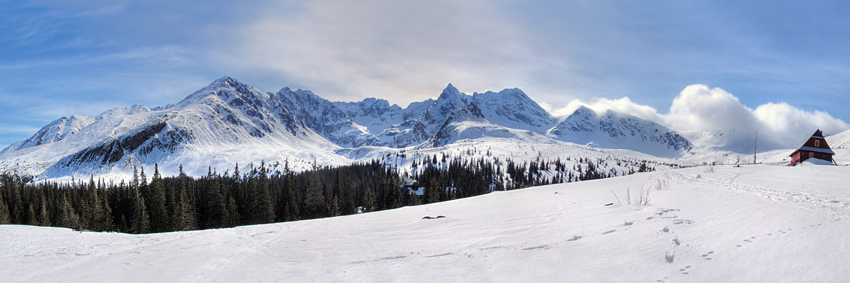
(811, 154)
(817, 143)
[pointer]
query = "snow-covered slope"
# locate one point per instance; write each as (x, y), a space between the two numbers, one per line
(512, 108)
(375, 114)
(229, 122)
(616, 130)
(763, 223)
(222, 124)
(324, 118)
(469, 123)
(54, 132)
(840, 144)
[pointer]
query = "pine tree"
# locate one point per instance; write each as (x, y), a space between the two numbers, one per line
(263, 207)
(232, 213)
(141, 221)
(31, 220)
(212, 210)
(433, 191)
(315, 199)
(159, 219)
(5, 216)
(335, 206)
(185, 218)
(369, 200)
(43, 214)
(105, 216)
(293, 197)
(69, 217)
(347, 205)
(135, 183)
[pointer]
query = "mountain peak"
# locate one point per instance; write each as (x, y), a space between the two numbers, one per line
(450, 89)
(226, 81)
(583, 111)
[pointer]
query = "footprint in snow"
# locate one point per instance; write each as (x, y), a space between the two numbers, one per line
(669, 257)
(543, 247)
(608, 232)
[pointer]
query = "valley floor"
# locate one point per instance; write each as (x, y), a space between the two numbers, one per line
(758, 223)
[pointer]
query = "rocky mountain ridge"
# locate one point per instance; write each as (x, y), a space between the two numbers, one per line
(229, 122)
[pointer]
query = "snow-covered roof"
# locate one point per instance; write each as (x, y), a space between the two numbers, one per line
(815, 149)
(803, 146)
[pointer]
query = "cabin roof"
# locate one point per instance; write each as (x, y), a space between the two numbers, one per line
(815, 149)
(817, 135)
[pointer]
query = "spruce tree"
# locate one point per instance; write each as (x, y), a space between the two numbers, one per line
(335, 206)
(232, 213)
(315, 199)
(43, 214)
(263, 206)
(141, 221)
(369, 200)
(159, 219)
(69, 218)
(5, 216)
(105, 216)
(347, 204)
(185, 219)
(212, 210)
(293, 208)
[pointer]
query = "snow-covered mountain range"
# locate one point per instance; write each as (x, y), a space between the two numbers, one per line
(229, 122)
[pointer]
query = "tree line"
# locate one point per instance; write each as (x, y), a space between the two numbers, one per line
(260, 194)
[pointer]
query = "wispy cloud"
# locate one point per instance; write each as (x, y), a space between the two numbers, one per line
(699, 109)
(156, 52)
(405, 49)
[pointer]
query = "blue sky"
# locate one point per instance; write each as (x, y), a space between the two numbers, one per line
(61, 58)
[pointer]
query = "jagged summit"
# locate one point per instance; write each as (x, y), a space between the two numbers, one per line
(226, 80)
(470, 112)
(450, 90)
(617, 130)
(514, 109)
(228, 121)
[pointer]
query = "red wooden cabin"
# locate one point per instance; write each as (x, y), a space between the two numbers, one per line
(814, 147)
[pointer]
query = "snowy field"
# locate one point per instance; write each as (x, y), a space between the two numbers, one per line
(757, 223)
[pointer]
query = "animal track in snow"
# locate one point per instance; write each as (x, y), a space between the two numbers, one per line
(543, 247)
(669, 257)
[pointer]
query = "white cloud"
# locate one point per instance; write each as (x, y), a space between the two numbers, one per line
(623, 105)
(786, 120)
(706, 114)
(779, 125)
(698, 107)
(403, 51)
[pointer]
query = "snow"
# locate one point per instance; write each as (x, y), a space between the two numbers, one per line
(815, 161)
(754, 223)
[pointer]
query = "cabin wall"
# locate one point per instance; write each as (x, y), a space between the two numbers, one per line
(802, 155)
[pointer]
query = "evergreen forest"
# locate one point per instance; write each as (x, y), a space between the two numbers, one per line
(263, 194)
